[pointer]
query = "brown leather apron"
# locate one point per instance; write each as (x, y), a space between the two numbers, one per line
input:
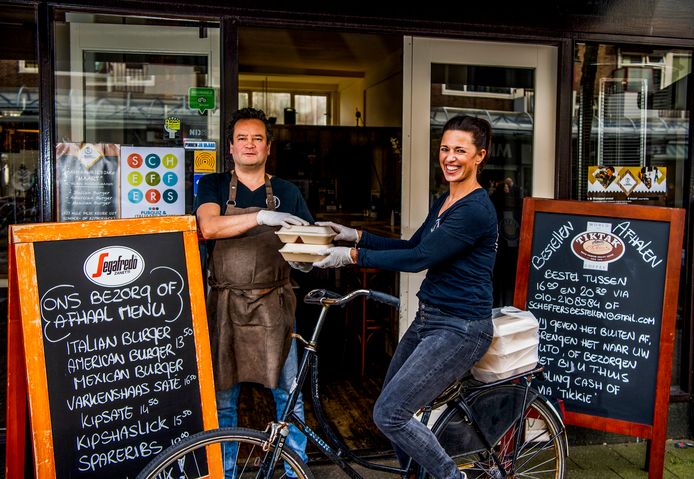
(251, 305)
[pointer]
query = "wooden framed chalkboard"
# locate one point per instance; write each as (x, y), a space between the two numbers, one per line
(108, 339)
(602, 279)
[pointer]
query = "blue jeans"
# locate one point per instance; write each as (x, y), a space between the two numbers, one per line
(428, 359)
(227, 412)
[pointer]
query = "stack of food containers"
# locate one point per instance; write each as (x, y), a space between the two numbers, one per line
(514, 348)
(304, 244)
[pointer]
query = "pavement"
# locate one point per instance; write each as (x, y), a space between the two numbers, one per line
(605, 461)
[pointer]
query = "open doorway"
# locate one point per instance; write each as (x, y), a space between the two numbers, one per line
(336, 100)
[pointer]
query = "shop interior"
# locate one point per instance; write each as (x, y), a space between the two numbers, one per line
(348, 166)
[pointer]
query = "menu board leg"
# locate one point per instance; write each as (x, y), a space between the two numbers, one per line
(16, 381)
(655, 455)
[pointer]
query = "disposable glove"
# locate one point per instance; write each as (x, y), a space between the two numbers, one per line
(343, 232)
(337, 256)
(275, 218)
(303, 267)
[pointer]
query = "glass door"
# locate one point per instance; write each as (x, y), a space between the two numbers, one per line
(513, 86)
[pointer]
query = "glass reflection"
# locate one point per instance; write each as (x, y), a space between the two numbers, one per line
(504, 97)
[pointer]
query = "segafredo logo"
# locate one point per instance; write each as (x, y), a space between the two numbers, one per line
(114, 266)
(598, 246)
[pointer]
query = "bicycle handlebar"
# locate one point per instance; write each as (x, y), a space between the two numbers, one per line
(330, 298)
(384, 298)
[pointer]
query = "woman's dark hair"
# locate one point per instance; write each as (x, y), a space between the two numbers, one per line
(479, 128)
(248, 114)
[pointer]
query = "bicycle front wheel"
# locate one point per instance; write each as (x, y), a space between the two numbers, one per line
(541, 446)
(232, 453)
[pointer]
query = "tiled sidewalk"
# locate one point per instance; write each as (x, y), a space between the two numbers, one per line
(611, 461)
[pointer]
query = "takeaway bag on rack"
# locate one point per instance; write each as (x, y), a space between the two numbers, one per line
(514, 346)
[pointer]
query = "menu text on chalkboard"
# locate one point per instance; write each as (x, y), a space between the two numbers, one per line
(591, 288)
(117, 332)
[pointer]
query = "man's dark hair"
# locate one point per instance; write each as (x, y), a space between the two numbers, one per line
(248, 114)
(480, 129)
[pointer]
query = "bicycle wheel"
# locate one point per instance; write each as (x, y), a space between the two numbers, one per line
(238, 450)
(541, 446)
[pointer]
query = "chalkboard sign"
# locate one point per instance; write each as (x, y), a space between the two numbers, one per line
(602, 281)
(116, 344)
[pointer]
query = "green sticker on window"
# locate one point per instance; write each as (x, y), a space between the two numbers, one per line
(201, 99)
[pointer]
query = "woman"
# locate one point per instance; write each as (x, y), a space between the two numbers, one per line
(452, 328)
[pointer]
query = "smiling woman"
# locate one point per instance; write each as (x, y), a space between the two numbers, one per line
(452, 329)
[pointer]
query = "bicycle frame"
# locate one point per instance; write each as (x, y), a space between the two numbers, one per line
(337, 452)
(455, 396)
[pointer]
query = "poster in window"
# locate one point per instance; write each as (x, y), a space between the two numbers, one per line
(87, 179)
(627, 184)
(153, 181)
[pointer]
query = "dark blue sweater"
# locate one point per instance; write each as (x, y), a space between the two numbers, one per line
(458, 248)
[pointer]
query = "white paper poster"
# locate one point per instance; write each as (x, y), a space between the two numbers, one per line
(152, 181)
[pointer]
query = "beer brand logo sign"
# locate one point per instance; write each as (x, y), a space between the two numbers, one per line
(597, 246)
(114, 266)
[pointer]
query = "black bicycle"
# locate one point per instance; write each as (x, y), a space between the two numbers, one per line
(503, 429)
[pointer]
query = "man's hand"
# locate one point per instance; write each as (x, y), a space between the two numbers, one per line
(303, 267)
(275, 218)
(343, 232)
(337, 256)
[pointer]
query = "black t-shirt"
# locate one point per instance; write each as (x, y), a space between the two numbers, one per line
(214, 188)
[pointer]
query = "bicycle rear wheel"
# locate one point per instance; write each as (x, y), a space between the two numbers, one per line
(241, 450)
(541, 446)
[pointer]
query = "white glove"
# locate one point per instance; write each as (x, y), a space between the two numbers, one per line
(343, 233)
(337, 256)
(303, 267)
(275, 218)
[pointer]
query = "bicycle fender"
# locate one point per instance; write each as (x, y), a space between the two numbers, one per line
(494, 411)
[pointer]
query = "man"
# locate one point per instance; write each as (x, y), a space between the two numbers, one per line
(251, 304)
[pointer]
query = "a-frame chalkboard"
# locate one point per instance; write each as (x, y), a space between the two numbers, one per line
(107, 337)
(602, 279)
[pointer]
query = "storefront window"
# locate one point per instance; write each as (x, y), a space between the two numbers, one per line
(631, 133)
(19, 125)
(19, 146)
(137, 114)
(630, 124)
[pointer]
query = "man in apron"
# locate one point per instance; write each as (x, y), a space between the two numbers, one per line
(250, 302)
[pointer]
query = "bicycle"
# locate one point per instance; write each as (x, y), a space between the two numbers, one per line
(503, 429)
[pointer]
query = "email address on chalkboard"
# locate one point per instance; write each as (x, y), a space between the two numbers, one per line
(573, 311)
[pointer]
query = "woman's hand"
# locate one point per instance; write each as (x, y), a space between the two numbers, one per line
(337, 256)
(343, 232)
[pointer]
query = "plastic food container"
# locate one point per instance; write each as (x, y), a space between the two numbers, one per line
(303, 253)
(514, 348)
(321, 235)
